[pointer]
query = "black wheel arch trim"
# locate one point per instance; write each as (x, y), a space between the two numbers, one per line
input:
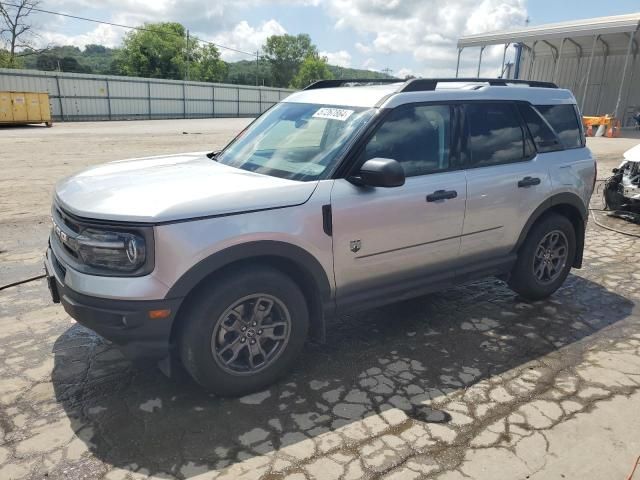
(246, 251)
(322, 303)
(565, 198)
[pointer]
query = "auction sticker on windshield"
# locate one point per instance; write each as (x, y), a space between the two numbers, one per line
(333, 113)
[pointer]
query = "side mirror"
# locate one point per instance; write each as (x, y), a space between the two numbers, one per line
(380, 172)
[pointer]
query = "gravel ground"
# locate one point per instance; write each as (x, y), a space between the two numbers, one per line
(469, 383)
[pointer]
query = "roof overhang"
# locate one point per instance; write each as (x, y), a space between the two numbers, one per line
(580, 28)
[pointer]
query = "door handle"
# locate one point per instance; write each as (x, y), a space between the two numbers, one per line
(441, 195)
(528, 182)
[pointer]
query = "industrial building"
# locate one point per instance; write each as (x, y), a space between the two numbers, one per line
(596, 58)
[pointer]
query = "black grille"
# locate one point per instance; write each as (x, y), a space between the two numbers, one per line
(60, 269)
(67, 220)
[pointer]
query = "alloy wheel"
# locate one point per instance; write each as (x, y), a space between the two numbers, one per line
(550, 257)
(251, 334)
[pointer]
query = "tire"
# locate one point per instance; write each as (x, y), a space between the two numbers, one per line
(225, 359)
(525, 276)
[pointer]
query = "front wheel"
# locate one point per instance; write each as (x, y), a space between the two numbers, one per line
(545, 258)
(243, 331)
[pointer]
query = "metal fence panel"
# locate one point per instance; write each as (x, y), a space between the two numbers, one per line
(197, 92)
(226, 109)
(199, 109)
(124, 109)
(227, 93)
(167, 108)
(128, 89)
(77, 97)
(249, 108)
(163, 90)
(270, 96)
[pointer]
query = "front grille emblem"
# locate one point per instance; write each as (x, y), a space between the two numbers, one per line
(59, 233)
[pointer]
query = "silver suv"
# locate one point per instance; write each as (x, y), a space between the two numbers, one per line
(343, 197)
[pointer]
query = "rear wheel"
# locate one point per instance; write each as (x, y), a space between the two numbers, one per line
(545, 258)
(244, 331)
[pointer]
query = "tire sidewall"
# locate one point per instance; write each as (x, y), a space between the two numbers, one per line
(212, 301)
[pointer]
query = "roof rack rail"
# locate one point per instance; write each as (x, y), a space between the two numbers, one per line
(342, 81)
(426, 84)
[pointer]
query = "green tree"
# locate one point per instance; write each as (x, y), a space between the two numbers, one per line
(285, 53)
(93, 49)
(47, 61)
(158, 51)
(5, 59)
(70, 64)
(207, 65)
(243, 72)
(313, 68)
(162, 50)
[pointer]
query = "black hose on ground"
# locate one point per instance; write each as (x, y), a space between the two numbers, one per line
(20, 282)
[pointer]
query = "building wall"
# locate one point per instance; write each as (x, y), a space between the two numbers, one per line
(77, 97)
(604, 80)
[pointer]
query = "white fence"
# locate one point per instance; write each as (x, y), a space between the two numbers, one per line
(78, 97)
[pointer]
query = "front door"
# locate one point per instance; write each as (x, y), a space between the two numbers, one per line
(390, 242)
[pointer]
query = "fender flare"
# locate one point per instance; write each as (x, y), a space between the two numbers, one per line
(565, 198)
(245, 251)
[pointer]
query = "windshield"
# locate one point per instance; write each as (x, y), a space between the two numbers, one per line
(297, 141)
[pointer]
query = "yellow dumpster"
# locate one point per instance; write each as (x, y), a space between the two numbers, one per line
(25, 107)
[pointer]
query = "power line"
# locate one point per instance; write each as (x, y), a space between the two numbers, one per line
(144, 29)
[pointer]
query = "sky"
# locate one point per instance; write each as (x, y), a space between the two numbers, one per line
(407, 37)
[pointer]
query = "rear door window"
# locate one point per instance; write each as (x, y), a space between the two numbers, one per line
(564, 120)
(496, 136)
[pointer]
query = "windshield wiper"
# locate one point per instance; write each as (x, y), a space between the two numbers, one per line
(213, 155)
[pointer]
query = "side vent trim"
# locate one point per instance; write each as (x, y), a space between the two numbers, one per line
(327, 220)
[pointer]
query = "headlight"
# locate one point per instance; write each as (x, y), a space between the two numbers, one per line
(101, 249)
(119, 251)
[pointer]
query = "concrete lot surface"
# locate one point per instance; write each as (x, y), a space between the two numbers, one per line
(469, 383)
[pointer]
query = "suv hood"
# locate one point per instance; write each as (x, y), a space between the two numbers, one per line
(174, 187)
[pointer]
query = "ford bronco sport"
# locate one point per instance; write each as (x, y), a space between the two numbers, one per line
(344, 196)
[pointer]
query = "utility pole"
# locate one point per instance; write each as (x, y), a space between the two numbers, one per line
(186, 73)
(257, 66)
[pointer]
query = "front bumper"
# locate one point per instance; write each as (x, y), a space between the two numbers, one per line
(126, 323)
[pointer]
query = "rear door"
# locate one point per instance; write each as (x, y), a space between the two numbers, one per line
(506, 179)
(572, 168)
(389, 242)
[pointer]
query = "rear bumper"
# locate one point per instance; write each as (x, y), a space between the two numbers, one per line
(126, 323)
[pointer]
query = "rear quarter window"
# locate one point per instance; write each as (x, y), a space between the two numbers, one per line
(542, 133)
(564, 120)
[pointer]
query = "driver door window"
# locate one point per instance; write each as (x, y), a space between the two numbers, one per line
(418, 137)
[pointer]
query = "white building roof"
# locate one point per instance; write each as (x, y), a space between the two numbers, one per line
(578, 28)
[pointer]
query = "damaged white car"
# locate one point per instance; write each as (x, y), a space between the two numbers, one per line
(622, 189)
